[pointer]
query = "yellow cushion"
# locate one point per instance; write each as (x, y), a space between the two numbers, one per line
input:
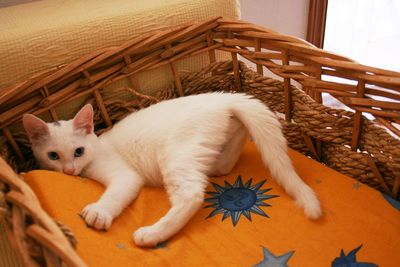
(354, 215)
(44, 34)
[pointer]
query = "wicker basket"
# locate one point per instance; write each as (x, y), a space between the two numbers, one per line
(367, 150)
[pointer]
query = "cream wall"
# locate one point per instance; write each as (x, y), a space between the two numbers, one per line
(284, 16)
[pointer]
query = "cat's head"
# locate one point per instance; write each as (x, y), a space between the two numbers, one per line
(63, 146)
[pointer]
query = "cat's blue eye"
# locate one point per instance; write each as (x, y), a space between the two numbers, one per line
(79, 152)
(53, 155)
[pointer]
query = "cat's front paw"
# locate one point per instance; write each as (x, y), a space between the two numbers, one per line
(96, 217)
(148, 236)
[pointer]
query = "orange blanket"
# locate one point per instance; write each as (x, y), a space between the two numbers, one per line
(247, 220)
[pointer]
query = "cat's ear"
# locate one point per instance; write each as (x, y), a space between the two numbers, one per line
(34, 127)
(84, 119)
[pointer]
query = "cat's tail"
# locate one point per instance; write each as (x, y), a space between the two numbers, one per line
(266, 132)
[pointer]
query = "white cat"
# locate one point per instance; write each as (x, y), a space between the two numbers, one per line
(176, 143)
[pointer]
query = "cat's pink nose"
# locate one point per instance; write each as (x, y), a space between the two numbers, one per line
(69, 171)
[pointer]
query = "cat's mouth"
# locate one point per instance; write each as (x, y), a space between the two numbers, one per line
(71, 171)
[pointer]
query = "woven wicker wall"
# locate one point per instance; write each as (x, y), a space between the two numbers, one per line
(8, 257)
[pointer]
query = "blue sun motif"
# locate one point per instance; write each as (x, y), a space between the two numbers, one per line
(238, 199)
(350, 260)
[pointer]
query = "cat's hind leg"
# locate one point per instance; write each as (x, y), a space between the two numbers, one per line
(185, 182)
(186, 198)
(231, 152)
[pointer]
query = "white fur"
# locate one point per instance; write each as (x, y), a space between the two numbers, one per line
(177, 143)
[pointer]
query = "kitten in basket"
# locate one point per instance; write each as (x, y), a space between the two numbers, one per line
(177, 144)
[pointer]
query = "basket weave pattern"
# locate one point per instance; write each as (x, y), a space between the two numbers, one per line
(343, 140)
